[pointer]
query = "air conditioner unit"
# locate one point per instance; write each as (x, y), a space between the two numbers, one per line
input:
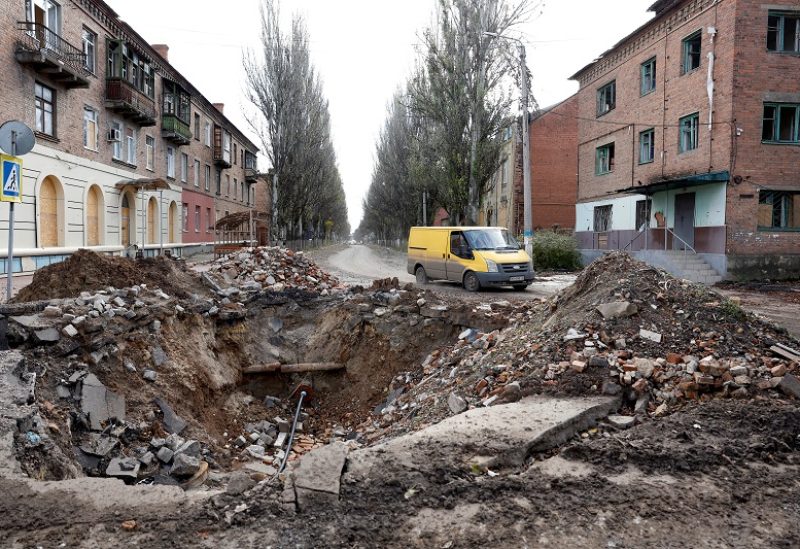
(114, 135)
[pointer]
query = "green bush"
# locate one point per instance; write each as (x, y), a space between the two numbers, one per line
(552, 250)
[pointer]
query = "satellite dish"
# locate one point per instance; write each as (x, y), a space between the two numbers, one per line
(19, 134)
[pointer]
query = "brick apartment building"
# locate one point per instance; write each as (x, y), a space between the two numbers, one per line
(554, 164)
(109, 113)
(689, 140)
(553, 134)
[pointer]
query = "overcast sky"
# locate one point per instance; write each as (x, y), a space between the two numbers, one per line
(364, 50)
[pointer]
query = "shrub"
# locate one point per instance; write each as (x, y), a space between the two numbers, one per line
(552, 250)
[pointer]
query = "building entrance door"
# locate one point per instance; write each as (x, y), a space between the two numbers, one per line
(684, 221)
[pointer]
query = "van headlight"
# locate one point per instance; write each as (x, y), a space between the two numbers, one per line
(492, 266)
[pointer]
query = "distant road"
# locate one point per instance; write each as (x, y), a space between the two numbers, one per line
(360, 264)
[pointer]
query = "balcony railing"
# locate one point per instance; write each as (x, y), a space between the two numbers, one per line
(174, 129)
(49, 53)
(123, 98)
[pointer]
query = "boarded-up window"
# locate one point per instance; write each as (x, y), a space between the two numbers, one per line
(152, 214)
(779, 210)
(93, 218)
(48, 214)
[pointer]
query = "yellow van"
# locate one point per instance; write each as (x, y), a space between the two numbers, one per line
(474, 256)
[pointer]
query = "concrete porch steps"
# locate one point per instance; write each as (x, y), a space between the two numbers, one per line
(686, 265)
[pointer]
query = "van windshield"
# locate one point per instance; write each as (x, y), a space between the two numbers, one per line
(491, 239)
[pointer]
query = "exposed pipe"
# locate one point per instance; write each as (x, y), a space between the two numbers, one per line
(291, 435)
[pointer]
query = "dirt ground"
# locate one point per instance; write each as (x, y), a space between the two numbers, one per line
(721, 474)
(777, 302)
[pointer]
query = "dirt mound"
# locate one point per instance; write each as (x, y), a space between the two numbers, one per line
(658, 341)
(88, 271)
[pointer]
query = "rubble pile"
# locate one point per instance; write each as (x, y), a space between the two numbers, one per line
(623, 329)
(87, 271)
(274, 269)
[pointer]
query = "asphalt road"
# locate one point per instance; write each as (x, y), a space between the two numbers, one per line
(361, 264)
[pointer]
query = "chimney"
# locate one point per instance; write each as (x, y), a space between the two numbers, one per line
(220, 107)
(162, 50)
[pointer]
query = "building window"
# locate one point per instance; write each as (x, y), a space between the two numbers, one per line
(228, 186)
(197, 219)
(218, 177)
(115, 136)
(779, 210)
(185, 213)
(602, 218)
(607, 98)
(89, 49)
(235, 186)
(648, 73)
(90, 128)
(208, 177)
(130, 145)
(149, 151)
(45, 109)
(691, 52)
(604, 161)
(208, 220)
(647, 146)
(207, 134)
(235, 152)
(125, 63)
(643, 208)
(171, 162)
(241, 188)
(184, 167)
(196, 173)
(197, 126)
(783, 31)
(689, 129)
(781, 123)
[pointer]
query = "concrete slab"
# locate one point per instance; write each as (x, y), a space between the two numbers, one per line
(496, 437)
(317, 476)
(99, 403)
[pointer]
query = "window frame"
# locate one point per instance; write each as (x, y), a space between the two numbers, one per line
(651, 133)
(170, 157)
(197, 217)
(40, 111)
(776, 123)
(609, 219)
(89, 49)
(780, 31)
(601, 96)
(197, 126)
(131, 144)
(185, 211)
(149, 152)
(184, 167)
(88, 109)
(197, 172)
(117, 149)
(652, 64)
(686, 52)
(608, 160)
(208, 178)
(786, 210)
(207, 133)
(694, 129)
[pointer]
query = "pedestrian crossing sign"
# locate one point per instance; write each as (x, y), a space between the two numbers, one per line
(12, 179)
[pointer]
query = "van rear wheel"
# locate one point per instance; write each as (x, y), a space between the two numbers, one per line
(422, 276)
(520, 287)
(471, 282)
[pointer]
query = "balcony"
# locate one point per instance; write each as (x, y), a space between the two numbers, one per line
(222, 148)
(175, 130)
(250, 168)
(124, 99)
(47, 53)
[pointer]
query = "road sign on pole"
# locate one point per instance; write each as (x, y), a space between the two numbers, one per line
(11, 190)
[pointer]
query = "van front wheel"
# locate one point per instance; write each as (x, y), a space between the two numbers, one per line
(422, 276)
(471, 282)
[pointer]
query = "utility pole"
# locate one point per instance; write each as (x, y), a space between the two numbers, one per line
(527, 206)
(424, 208)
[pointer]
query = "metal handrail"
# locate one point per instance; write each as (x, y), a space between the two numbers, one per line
(37, 37)
(629, 244)
(686, 244)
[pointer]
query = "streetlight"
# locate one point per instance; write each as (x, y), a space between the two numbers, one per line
(527, 205)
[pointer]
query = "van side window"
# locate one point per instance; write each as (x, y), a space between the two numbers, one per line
(458, 245)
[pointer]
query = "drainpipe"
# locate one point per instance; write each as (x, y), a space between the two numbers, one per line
(161, 220)
(712, 31)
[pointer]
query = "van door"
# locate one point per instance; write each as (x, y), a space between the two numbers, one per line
(436, 254)
(458, 256)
